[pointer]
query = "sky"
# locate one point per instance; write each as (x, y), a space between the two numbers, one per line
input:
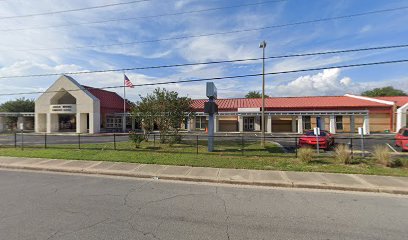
(69, 42)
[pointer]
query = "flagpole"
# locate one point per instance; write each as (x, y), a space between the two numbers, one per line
(124, 94)
(124, 103)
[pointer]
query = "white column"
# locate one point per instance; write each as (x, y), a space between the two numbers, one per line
(49, 122)
(300, 124)
(402, 117)
(269, 124)
(366, 125)
(332, 124)
(94, 122)
(2, 122)
(257, 123)
(52, 123)
(352, 123)
(81, 122)
(216, 123)
(189, 122)
(241, 123)
(294, 124)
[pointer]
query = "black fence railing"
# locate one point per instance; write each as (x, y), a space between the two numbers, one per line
(239, 144)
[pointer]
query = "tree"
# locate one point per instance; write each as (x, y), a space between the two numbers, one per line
(385, 91)
(254, 94)
(165, 109)
(18, 105)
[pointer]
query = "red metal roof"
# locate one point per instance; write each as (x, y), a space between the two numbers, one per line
(399, 100)
(107, 99)
(287, 103)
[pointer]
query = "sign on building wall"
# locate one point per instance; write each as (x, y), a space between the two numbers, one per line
(63, 108)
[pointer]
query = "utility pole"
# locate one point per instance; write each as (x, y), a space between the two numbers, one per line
(263, 46)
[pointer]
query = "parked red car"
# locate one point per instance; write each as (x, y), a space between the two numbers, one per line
(401, 139)
(326, 140)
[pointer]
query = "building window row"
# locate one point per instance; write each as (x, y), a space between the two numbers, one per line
(201, 122)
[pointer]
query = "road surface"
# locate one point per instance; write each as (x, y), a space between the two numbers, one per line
(37, 205)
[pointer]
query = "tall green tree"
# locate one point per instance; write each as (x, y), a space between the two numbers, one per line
(165, 109)
(254, 94)
(384, 91)
(18, 105)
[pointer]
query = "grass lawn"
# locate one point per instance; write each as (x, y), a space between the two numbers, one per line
(228, 154)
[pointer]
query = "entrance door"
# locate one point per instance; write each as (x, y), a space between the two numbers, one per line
(67, 122)
(249, 123)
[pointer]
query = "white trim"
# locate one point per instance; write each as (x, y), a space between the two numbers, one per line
(401, 117)
(370, 99)
(249, 109)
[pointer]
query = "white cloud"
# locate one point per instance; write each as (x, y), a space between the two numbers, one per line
(323, 83)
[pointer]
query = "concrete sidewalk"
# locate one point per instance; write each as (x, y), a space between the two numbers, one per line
(346, 182)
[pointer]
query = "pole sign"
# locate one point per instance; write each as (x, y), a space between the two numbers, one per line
(211, 107)
(316, 131)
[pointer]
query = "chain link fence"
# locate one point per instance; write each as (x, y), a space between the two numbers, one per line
(239, 144)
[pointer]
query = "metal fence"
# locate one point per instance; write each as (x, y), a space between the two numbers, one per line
(239, 144)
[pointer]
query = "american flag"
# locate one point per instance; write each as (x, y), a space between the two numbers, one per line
(128, 83)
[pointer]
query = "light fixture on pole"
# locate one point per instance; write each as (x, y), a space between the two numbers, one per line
(263, 46)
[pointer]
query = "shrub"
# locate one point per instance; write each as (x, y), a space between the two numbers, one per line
(394, 163)
(382, 154)
(306, 154)
(136, 138)
(175, 139)
(343, 154)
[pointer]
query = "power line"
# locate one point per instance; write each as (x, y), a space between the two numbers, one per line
(211, 62)
(222, 78)
(73, 10)
(142, 17)
(219, 33)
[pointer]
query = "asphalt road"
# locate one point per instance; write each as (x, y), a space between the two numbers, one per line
(36, 205)
(286, 140)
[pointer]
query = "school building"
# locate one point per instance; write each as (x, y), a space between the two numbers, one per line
(68, 106)
(336, 114)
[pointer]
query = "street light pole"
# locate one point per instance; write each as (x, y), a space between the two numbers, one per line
(263, 46)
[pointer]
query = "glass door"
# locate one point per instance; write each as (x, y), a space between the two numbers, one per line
(249, 123)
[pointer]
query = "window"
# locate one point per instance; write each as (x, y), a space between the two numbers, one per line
(339, 122)
(307, 122)
(113, 122)
(201, 122)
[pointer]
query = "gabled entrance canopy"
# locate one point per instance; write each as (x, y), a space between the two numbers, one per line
(67, 97)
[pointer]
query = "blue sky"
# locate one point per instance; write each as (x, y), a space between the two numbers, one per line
(366, 31)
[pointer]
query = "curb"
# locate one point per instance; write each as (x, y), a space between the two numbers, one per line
(208, 180)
